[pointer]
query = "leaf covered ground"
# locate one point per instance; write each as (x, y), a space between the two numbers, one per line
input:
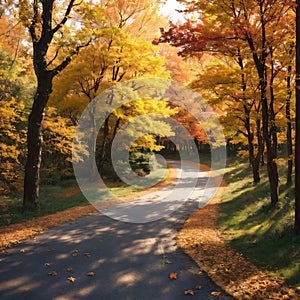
(229, 269)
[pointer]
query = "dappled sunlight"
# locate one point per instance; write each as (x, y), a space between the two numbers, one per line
(127, 278)
(140, 247)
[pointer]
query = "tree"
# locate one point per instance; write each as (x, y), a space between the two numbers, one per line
(226, 27)
(119, 55)
(297, 141)
(47, 23)
(228, 85)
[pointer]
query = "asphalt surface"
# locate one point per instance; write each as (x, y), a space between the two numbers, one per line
(98, 257)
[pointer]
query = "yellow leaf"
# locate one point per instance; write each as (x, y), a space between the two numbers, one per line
(189, 292)
(71, 279)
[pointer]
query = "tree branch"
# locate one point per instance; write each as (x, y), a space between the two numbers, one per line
(53, 59)
(65, 18)
(68, 59)
(33, 23)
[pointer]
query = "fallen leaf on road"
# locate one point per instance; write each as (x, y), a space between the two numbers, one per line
(87, 254)
(47, 264)
(51, 249)
(167, 262)
(69, 269)
(216, 293)
(74, 252)
(90, 274)
(22, 250)
(71, 279)
(52, 273)
(173, 275)
(198, 287)
(163, 256)
(189, 292)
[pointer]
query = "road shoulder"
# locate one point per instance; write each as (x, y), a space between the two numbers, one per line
(201, 240)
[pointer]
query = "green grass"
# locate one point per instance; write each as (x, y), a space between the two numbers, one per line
(251, 226)
(54, 198)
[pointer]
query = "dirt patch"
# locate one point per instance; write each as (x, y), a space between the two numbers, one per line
(15, 233)
(202, 241)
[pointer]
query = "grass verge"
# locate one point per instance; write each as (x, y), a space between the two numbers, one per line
(248, 223)
(64, 196)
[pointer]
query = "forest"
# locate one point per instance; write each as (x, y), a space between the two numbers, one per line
(242, 57)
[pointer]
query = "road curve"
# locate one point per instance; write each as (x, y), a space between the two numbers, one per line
(98, 257)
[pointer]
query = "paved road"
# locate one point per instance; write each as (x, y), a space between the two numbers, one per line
(128, 260)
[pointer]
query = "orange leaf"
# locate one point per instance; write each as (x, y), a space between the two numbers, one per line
(69, 269)
(52, 273)
(90, 274)
(22, 250)
(71, 279)
(189, 292)
(198, 287)
(173, 275)
(216, 293)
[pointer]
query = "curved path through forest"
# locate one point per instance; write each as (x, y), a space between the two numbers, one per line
(97, 257)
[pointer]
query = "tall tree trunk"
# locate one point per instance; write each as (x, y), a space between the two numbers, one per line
(41, 40)
(297, 142)
(289, 140)
(247, 123)
(273, 129)
(104, 144)
(34, 143)
(260, 63)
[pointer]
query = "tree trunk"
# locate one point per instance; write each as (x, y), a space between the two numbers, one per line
(274, 180)
(289, 140)
(254, 162)
(260, 63)
(41, 37)
(34, 143)
(104, 143)
(297, 141)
